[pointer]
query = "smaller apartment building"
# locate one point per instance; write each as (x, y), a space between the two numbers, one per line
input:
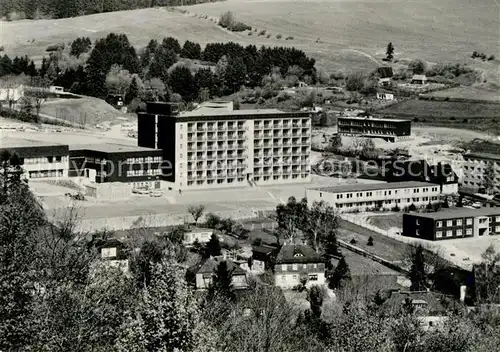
(296, 262)
(363, 197)
(39, 160)
(474, 167)
(388, 129)
(453, 223)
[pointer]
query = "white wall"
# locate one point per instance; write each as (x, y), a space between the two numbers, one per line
(289, 280)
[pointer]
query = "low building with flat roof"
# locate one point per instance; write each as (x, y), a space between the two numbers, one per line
(40, 160)
(386, 128)
(452, 223)
(363, 197)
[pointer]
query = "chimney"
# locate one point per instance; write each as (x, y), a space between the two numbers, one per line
(463, 290)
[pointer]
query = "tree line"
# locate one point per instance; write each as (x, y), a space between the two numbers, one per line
(34, 9)
(113, 66)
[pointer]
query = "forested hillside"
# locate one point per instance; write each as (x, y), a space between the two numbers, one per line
(33, 9)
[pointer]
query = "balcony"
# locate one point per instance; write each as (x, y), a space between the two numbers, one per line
(211, 128)
(200, 128)
(211, 138)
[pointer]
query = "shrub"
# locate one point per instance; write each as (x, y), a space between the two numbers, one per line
(370, 241)
(250, 33)
(55, 47)
(491, 58)
(268, 36)
(279, 37)
(289, 38)
(262, 32)
(396, 208)
(2, 48)
(353, 241)
(417, 66)
(240, 27)
(412, 207)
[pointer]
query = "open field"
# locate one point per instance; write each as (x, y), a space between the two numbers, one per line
(467, 93)
(386, 222)
(478, 116)
(87, 111)
(344, 39)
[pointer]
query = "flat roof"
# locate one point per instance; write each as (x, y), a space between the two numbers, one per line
(372, 187)
(9, 142)
(364, 118)
(483, 156)
(223, 111)
(110, 148)
(458, 213)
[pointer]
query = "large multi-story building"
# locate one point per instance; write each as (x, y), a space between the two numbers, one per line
(217, 146)
(452, 223)
(388, 129)
(363, 197)
(38, 159)
(474, 167)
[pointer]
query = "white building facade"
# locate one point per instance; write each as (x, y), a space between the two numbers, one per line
(474, 167)
(365, 197)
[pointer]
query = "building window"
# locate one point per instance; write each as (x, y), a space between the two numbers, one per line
(459, 232)
(497, 229)
(449, 233)
(439, 224)
(459, 222)
(469, 221)
(468, 232)
(439, 234)
(294, 267)
(283, 267)
(313, 277)
(449, 223)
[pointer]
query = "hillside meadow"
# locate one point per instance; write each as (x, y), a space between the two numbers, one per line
(345, 34)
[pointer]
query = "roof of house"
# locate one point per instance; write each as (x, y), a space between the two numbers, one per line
(110, 148)
(372, 186)
(211, 111)
(198, 230)
(297, 253)
(385, 72)
(211, 264)
(457, 213)
(419, 77)
(488, 156)
(371, 118)
(430, 299)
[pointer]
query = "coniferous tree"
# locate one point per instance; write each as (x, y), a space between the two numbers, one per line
(182, 82)
(340, 276)
(390, 51)
(417, 273)
(172, 44)
(489, 177)
(222, 282)
(162, 60)
(213, 247)
(133, 91)
(191, 50)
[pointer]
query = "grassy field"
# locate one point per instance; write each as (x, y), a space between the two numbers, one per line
(479, 116)
(386, 222)
(467, 93)
(88, 111)
(339, 34)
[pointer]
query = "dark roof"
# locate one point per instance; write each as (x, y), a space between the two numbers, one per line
(432, 300)
(110, 148)
(458, 213)
(7, 142)
(385, 72)
(263, 253)
(211, 264)
(488, 156)
(297, 253)
(372, 187)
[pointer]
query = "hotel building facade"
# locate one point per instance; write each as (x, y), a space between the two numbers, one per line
(450, 224)
(363, 197)
(217, 146)
(388, 129)
(474, 167)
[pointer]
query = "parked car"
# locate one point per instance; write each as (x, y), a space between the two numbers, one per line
(477, 205)
(156, 193)
(140, 191)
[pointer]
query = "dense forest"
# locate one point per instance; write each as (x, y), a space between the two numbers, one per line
(34, 9)
(161, 71)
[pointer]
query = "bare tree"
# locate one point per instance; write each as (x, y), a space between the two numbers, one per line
(196, 211)
(38, 92)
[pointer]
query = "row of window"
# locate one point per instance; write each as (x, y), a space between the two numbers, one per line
(282, 177)
(219, 181)
(385, 202)
(311, 277)
(142, 160)
(45, 160)
(295, 267)
(44, 174)
(449, 233)
(383, 193)
(148, 172)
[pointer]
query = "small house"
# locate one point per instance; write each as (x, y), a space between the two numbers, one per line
(206, 272)
(419, 80)
(298, 263)
(114, 253)
(385, 96)
(262, 258)
(199, 235)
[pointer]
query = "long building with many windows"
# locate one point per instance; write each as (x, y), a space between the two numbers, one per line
(388, 129)
(363, 197)
(39, 160)
(453, 223)
(217, 146)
